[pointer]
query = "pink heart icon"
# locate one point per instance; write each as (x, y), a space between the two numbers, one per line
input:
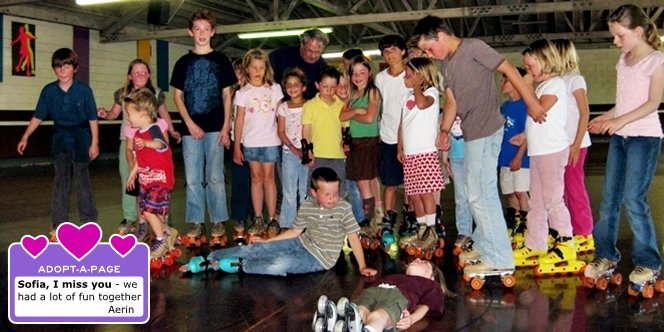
(34, 245)
(123, 245)
(410, 104)
(79, 241)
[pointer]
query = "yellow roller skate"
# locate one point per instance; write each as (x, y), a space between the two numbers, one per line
(561, 259)
(525, 256)
(584, 243)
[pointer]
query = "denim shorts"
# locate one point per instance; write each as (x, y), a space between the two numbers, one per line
(263, 154)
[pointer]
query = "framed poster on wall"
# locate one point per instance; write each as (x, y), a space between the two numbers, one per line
(23, 49)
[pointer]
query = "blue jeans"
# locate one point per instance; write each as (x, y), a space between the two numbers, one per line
(240, 190)
(490, 236)
(204, 172)
(355, 200)
(64, 164)
(464, 221)
(630, 168)
(274, 258)
(294, 186)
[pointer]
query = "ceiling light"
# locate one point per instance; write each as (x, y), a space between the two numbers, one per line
(277, 33)
(95, 2)
(334, 55)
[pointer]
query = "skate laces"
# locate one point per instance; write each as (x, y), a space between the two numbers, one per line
(157, 244)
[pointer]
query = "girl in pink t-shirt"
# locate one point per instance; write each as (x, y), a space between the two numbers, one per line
(636, 139)
(256, 132)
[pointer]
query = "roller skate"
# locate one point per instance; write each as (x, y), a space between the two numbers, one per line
(525, 256)
(414, 234)
(195, 238)
(387, 231)
(644, 280)
(477, 273)
(325, 316)
(518, 234)
(257, 229)
(427, 246)
(196, 264)
(142, 231)
(218, 238)
(599, 272)
(408, 223)
(228, 264)
(367, 235)
(240, 234)
(159, 253)
(462, 242)
(273, 228)
(468, 255)
(52, 235)
(125, 227)
(584, 243)
(561, 259)
(440, 227)
(350, 319)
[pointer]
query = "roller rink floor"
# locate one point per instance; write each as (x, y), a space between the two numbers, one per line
(217, 301)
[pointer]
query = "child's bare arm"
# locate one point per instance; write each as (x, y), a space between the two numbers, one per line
(356, 246)
(409, 319)
(534, 108)
(93, 152)
(32, 126)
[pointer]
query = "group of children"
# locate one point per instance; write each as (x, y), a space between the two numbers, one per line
(396, 134)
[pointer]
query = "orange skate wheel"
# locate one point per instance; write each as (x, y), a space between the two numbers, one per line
(476, 283)
(184, 240)
(631, 291)
(176, 252)
(413, 251)
(428, 255)
(509, 281)
(617, 279)
(156, 264)
(602, 284)
(648, 291)
(168, 260)
(589, 282)
(659, 286)
(439, 252)
(538, 272)
(374, 244)
(456, 251)
(509, 298)
(466, 278)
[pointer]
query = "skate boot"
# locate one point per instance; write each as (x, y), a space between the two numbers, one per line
(560, 259)
(598, 273)
(412, 236)
(228, 264)
(427, 245)
(257, 229)
(196, 236)
(171, 236)
(197, 264)
(510, 219)
(273, 228)
(141, 231)
(125, 227)
(462, 242)
(440, 227)
(218, 238)
(408, 220)
(325, 315)
(387, 232)
(240, 234)
(159, 253)
(367, 234)
(477, 272)
(644, 280)
(350, 318)
(525, 256)
(584, 243)
(468, 255)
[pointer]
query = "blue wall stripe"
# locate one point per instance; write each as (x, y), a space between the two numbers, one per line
(162, 65)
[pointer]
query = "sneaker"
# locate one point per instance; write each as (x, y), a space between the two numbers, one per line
(641, 274)
(159, 248)
(599, 267)
(141, 231)
(273, 228)
(564, 251)
(217, 229)
(480, 267)
(195, 230)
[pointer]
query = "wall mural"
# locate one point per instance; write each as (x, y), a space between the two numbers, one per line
(23, 49)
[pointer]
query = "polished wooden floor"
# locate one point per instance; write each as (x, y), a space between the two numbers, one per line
(237, 302)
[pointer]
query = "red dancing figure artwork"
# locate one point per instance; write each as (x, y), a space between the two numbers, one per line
(24, 63)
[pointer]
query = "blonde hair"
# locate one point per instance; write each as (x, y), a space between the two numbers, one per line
(143, 100)
(258, 54)
(547, 56)
(632, 17)
(427, 70)
(568, 55)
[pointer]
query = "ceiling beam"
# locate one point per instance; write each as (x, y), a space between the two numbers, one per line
(56, 15)
(128, 14)
(334, 9)
(462, 12)
(16, 2)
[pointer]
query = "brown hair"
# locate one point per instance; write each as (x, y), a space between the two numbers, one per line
(202, 14)
(632, 17)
